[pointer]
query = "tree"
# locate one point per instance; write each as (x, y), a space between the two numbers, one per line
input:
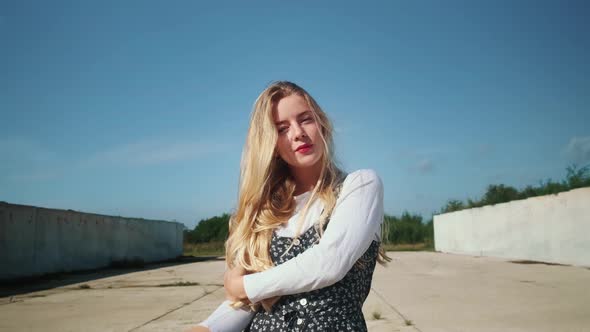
(208, 230)
(453, 205)
(578, 177)
(405, 229)
(499, 193)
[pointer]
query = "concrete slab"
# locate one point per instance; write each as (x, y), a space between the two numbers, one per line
(124, 302)
(445, 292)
(418, 291)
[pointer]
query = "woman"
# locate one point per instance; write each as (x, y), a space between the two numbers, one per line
(305, 236)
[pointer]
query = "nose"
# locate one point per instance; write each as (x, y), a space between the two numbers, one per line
(298, 132)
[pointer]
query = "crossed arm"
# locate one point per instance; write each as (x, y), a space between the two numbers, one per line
(354, 223)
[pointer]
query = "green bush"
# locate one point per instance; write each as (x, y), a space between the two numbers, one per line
(207, 230)
(410, 228)
(577, 177)
(407, 229)
(453, 205)
(499, 193)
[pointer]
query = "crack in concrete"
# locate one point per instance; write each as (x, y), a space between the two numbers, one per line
(394, 308)
(173, 310)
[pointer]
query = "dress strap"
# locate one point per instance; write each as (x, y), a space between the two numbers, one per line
(322, 222)
(320, 225)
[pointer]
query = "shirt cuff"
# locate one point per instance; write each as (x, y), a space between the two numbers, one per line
(252, 288)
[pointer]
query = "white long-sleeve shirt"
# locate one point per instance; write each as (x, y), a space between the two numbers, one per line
(354, 224)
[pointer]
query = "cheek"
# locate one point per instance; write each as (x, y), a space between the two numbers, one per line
(315, 132)
(282, 146)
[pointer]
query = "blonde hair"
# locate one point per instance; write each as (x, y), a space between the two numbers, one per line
(266, 188)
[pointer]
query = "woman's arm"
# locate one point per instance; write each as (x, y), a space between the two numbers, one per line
(226, 319)
(355, 220)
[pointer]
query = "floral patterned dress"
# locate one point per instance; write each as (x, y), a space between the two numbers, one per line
(334, 308)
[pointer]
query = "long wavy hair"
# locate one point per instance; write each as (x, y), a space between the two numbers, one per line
(266, 187)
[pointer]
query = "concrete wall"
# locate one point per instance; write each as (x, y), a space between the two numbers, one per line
(36, 241)
(552, 228)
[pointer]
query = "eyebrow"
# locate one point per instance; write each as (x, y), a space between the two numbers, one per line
(298, 116)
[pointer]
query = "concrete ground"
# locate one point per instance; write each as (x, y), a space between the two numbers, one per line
(418, 291)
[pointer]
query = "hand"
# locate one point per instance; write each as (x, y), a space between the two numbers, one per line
(233, 281)
(268, 303)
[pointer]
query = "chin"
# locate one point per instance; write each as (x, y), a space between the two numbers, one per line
(306, 163)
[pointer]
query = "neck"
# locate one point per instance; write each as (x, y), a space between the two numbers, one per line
(306, 178)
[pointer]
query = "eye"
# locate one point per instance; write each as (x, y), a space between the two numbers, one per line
(282, 129)
(308, 119)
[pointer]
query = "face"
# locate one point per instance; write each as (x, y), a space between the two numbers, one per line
(299, 142)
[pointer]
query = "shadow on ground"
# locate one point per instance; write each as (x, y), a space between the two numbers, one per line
(53, 280)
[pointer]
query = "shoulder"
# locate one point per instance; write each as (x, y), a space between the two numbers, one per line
(367, 178)
(362, 192)
(365, 175)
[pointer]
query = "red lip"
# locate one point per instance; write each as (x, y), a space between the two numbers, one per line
(303, 146)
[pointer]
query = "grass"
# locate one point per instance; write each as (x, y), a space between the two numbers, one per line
(376, 315)
(217, 248)
(408, 247)
(204, 249)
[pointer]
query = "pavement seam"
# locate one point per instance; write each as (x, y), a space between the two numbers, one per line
(179, 307)
(60, 290)
(393, 308)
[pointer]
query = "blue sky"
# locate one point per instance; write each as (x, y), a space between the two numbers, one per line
(140, 108)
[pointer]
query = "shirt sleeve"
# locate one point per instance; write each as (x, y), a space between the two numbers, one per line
(355, 220)
(228, 319)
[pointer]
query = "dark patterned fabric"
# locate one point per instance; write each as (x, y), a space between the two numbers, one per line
(334, 308)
